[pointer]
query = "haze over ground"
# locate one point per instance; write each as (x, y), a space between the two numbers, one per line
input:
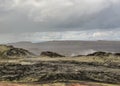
(46, 20)
(70, 48)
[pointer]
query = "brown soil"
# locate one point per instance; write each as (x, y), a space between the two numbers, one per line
(74, 84)
(9, 84)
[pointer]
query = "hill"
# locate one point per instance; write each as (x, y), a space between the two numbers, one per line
(10, 51)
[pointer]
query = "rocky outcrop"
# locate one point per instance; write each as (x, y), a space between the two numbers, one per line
(100, 54)
(17, 52)
(82, 75)
(51, 54)
(10, 51)
(117, 54)
(60, 71)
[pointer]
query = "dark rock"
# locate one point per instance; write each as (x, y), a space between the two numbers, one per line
(17, 52)
(78, 55)
(51, 54)
(117, 54)
(100, 54)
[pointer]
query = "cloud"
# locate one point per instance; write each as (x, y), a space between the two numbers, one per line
(42, 20)
(65, 35)
(100, 34)
(58, 15)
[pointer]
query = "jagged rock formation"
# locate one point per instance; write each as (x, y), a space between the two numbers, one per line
(10, 51)
(51, 54)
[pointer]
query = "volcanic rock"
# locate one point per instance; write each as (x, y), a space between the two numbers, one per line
(51, 54)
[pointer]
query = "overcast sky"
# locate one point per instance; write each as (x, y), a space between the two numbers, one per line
(44, 20)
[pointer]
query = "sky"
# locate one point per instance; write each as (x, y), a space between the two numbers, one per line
(47, 20)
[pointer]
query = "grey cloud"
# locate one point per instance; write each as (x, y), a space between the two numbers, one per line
(20, 16)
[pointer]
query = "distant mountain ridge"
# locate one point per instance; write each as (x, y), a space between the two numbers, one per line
(70, 48)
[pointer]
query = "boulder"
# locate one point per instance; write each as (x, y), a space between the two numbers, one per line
(100, 54)
(117, 54)
(51, 54)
